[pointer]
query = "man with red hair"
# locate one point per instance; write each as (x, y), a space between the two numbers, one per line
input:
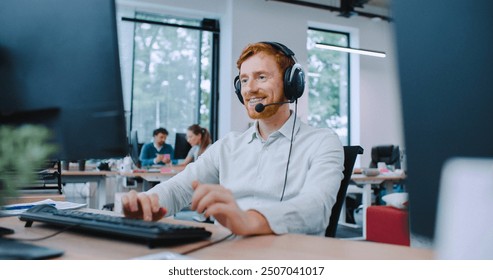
(245, 180)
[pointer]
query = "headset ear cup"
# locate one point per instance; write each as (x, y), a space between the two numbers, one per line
(288, 90)
(294, 82)
(237, 85)
(298, 82)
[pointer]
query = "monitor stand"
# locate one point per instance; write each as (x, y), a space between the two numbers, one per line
(11, 249)
(5, 231)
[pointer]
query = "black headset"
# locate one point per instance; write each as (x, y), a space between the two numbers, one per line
(294, 77)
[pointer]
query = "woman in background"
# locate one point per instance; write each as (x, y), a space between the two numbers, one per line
(200, 139)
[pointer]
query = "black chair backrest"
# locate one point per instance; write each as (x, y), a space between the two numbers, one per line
(385, 153)
(350, 154)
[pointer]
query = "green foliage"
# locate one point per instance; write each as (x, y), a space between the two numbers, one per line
(171, 78)
(23, 150)
(328, 79)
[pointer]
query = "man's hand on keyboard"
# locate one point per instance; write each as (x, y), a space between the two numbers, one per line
(216, 200)
(142, 206)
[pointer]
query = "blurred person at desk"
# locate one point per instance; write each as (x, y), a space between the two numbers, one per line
(200, 139)
(244, 180)
(157, 152)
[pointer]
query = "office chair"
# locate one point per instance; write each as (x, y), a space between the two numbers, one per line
(385, 153)
(390, 155)
(350, 154)
(48, 178)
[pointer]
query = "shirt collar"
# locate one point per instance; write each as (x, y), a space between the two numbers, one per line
(285, 130)
(253, 131)
(157, 147)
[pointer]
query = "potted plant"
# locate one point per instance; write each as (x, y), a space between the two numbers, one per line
(23, 151)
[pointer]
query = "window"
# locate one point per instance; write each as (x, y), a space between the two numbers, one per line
(328, 78)
(174, 75)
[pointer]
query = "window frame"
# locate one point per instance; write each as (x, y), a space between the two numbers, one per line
(349, 82)
(209, 25)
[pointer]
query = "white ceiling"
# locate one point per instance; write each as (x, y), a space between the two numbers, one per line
(372, 7)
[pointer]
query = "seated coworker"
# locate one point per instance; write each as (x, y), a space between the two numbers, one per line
(240, 179)
(200, 139)
(157, 152)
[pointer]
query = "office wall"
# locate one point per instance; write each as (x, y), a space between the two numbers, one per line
(375, 112)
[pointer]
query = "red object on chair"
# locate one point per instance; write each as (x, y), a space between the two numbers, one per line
(387, 224)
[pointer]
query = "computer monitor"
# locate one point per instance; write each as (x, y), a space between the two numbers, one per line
(181, 146)
(59, 67)
(134, 148)
(445, 65)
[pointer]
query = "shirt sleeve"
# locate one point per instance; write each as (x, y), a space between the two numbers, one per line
(309, 211)
(176, 193)
(192, 152)
(146, 155)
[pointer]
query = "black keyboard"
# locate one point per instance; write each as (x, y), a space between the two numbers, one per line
(153, 233)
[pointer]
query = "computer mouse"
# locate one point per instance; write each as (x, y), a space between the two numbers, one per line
(41, 208)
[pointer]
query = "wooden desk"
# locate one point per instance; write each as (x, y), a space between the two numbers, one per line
(151, 178)
(28, 197)
(99, 248)
(361, 183)
(289, 246)
(165, 173)
(387, 178)
(365, 182)
(304, 247)
(103, 194)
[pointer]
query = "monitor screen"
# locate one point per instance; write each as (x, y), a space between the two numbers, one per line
(59, 67)
(445, 65)
(181, 146)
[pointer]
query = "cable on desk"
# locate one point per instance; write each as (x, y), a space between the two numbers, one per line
(209, 244)
(45, 237)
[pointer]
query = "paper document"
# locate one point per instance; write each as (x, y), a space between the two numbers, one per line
(16, 209)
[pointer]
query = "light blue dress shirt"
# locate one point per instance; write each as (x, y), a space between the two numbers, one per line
(254, 170)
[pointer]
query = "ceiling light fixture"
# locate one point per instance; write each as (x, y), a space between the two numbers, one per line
(349, 50)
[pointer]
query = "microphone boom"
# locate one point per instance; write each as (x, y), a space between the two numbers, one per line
(261, 107)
